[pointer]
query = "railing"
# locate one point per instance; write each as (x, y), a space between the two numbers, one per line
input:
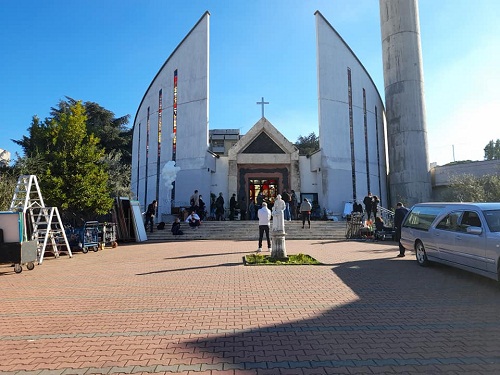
(387, 216)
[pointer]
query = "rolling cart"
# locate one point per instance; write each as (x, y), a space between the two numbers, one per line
(107, 235)
(84, 238)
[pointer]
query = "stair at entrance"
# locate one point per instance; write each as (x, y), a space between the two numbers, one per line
(247, 230)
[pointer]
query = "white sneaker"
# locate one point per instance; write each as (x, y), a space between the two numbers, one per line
(259, 250)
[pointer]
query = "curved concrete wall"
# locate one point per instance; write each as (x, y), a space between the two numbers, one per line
(334, 59)
(191, 61)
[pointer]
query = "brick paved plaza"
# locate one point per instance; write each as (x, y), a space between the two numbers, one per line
(194, 308)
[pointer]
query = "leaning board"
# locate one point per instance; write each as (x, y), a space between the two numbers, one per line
(140, 229)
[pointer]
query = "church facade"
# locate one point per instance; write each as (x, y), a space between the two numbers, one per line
(171, 155)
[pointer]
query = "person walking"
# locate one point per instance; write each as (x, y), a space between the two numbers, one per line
(150, 214)
(264, 215)
(399, 216)
(305, 212)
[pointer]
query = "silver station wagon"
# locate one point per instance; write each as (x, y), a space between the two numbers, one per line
(462, 235)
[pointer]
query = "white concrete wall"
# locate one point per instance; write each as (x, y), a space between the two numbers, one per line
(334, 57)
(191, 60)
(308, 175)
(219, 181)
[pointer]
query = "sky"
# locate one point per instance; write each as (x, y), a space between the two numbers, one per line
(108, 52)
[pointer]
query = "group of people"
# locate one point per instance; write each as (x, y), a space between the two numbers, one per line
(371, 203)
(264, 214)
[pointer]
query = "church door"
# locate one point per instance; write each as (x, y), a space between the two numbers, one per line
(268, 187)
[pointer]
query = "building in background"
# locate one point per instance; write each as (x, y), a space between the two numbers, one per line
(175, 153)
(4, 157)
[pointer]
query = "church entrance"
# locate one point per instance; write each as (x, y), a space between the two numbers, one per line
(268, 187)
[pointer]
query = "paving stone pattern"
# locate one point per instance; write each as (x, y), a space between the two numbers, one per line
(193, 308)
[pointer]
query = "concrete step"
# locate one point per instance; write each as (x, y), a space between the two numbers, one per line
(249, 231)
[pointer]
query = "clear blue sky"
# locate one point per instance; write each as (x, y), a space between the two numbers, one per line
(109, 51)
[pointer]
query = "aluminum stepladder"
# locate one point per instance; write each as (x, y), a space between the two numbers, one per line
(40, 223)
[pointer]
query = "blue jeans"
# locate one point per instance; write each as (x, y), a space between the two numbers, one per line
(287, 211)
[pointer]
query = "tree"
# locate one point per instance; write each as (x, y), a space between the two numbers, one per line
(74, 177)
(492, 150)
(468, 188)
(308, 144)
(112, 132)
(7, 184)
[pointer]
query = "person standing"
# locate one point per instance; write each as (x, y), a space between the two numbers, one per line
(251, 209)
(305, 212)
(260, 199)
(286, 198)
(232, 206)
(368, 201)
(264, 215)
(150, 214)
(202, 207)
(375, 203)
(219, 208)
(293, 204)
(399, 216)
(194, 201)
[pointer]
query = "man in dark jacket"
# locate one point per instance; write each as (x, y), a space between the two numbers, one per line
(399, 216)
(150, 214)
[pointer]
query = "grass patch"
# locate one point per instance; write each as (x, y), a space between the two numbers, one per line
(258, 259)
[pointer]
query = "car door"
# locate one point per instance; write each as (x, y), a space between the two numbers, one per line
(470, 248)
(443, 234)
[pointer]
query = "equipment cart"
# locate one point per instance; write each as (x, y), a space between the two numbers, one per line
(107, 235)
(84, 238)
(14, 248)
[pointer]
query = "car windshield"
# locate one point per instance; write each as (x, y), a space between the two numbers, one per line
(493, 220)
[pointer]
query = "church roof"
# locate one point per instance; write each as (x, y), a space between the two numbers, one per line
(263, 138)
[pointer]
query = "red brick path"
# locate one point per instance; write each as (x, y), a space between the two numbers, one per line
(194, 308)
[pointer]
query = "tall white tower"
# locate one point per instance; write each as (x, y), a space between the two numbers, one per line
(409, 175)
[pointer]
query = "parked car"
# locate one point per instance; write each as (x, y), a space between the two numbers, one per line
(462, 235)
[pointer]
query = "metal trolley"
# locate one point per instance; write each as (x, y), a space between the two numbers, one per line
(84, 238)
(107, 235)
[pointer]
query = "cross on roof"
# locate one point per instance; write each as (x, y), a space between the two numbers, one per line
(262, 102)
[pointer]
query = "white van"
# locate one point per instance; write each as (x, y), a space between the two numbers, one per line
(463, 235)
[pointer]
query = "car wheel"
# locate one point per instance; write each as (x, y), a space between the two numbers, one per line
(421, 255)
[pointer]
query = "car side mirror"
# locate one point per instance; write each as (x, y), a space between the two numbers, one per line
(474, 230)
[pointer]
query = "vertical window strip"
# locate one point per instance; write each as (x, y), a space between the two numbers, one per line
(147, 161)
(367, 154)
(351, 133)
(174, 132)
(138, 161)
(158, 172)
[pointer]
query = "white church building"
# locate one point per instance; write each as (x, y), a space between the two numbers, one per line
(173, 151)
